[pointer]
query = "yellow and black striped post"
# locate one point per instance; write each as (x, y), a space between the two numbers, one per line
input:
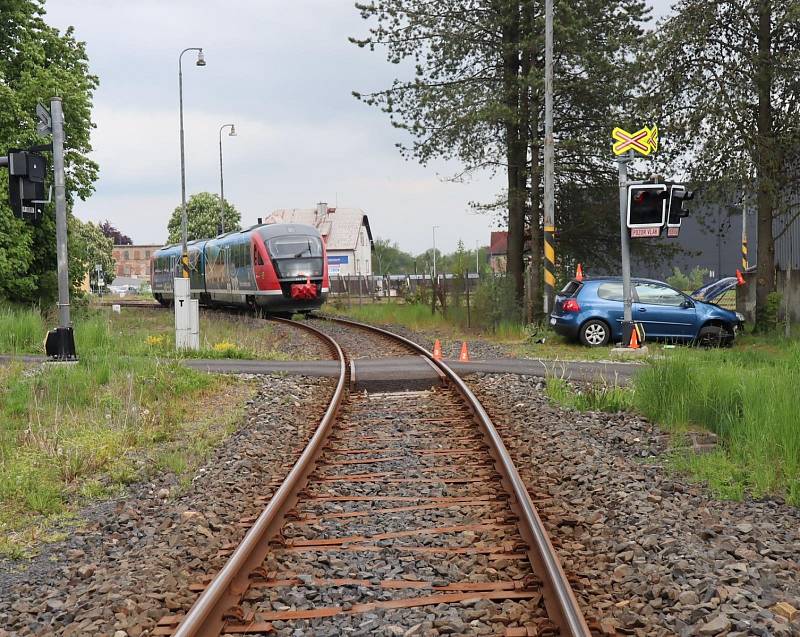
(549, 266)
(744, 234)
(185, 263)
(744, 255)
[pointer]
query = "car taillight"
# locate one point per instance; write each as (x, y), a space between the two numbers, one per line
(571, 305)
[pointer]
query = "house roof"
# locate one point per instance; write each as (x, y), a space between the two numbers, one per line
(339, 226)
(498, 243)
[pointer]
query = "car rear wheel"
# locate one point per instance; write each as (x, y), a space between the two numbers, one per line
(594, 333)
(714, 336)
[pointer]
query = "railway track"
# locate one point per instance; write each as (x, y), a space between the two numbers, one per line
(404, 515)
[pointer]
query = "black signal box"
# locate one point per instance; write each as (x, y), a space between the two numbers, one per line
(27, 173)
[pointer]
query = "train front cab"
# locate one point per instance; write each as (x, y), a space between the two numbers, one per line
(290, 267)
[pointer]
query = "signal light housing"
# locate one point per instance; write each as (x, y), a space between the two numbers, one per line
(647, 206)
(655, 206)
(26, 183)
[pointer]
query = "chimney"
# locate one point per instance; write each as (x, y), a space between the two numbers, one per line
(260, 221)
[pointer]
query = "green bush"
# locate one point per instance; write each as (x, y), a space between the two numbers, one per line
(494, 302)
(692, 281)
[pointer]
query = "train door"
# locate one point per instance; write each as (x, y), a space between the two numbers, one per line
(259, 267)
(230, 271)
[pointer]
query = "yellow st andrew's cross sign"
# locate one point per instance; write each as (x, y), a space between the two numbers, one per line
(644, 141)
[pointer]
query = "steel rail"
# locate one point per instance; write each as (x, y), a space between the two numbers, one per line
(206, 616)
(560, 601)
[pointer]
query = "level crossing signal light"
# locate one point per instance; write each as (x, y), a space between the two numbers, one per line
(655, 206)
(26, 183)
(677, 210)
(647, 209)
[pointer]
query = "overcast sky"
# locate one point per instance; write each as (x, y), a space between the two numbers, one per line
(283, 72)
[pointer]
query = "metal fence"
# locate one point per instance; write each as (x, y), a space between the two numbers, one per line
(397, 285)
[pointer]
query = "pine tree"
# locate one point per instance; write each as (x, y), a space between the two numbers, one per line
(477, 93)
(726, 96)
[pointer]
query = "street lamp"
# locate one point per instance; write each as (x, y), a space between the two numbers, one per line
(434, 253)
(221, 187)
(201, 61)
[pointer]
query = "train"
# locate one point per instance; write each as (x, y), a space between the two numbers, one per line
(269, 268)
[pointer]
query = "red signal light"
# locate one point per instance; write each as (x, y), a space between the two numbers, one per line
(571, 305)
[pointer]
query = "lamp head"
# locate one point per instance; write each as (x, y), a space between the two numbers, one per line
(233, 131)
(201, 61)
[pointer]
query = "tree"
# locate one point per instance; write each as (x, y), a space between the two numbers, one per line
(388, 258)
(88, 247)
(724, 90)
(117, 238)
(477, 91)
(202, 213)
(463, 100)
(37, 62)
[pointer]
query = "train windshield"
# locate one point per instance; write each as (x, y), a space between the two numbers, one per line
(296, 256)
(295, 247)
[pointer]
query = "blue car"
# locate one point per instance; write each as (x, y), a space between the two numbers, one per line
(591, 311)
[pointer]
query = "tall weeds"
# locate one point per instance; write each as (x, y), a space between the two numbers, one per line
(750, 402)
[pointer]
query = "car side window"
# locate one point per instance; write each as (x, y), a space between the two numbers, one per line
(655, 294)
(610, 291)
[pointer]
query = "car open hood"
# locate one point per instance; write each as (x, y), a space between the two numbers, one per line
(714, 290)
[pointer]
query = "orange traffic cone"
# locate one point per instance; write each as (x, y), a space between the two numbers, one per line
(579, 273)
(634, 344)
(464, 355)
(739, 278)
(437, 350)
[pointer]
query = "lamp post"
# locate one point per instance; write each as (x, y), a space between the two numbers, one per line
(434, 254)
(221, 185)
(184, 223)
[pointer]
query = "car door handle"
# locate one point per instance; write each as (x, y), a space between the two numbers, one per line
(643, 309)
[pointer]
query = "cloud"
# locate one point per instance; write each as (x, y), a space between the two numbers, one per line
(283, 72)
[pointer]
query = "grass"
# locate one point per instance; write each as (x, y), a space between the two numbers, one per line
(520, 339)
(748, 398)
(606, 398)
(414, 316)
(21, 331)
(70, 433)
(746, 395)
(144, 332)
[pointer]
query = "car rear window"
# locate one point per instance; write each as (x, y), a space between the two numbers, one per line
(610, 291)
(571, 288)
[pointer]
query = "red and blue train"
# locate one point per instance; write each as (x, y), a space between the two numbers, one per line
(274, 268)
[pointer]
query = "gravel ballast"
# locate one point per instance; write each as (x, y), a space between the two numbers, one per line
(650, 552)
(128, 563)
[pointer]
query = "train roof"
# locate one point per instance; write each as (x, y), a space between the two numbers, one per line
(269, 230)
(265, 230)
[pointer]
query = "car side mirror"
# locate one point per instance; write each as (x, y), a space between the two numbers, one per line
(687, 304)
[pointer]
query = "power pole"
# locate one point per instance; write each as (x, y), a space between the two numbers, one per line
(66, 339)
(627, 319)
(549, 190)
